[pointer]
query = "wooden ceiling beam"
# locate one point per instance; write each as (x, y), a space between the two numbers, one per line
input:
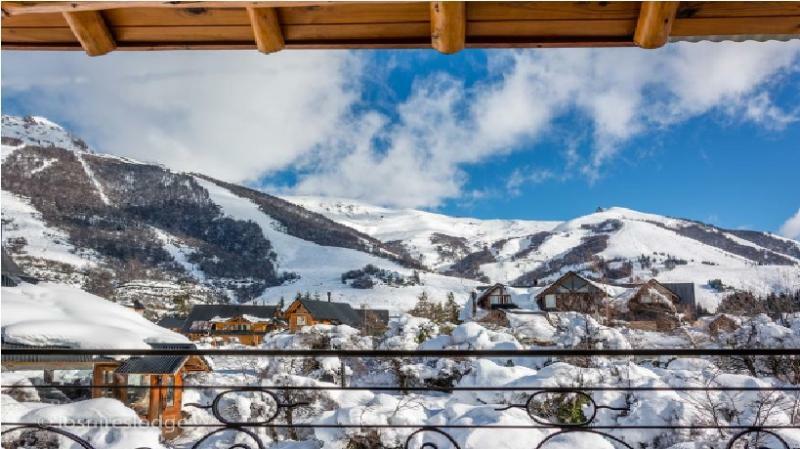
(91, 31)
(448, 26)
(655, 23)
(266, 28)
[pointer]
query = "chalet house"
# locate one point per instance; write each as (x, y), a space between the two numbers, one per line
(571, 292)
(152, 404)
(488, 302)
(305, 312)
(650, 306)
(246, 324)
(165, 373)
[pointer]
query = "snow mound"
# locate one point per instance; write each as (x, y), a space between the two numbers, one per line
(56, 314)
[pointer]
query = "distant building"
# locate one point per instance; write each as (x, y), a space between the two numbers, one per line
(652, 306)
(307, 312)
(246, 324)
(571, 292)
(12, 274)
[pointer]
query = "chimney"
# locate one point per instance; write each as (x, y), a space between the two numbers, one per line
(329, 296)
(474, 297)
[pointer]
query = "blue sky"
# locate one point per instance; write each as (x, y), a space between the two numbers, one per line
(702, 131)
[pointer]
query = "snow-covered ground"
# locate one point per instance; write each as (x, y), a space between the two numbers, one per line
(55, 314)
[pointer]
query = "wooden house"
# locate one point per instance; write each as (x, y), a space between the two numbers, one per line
(164, 375)
(652, 306)
(571, 292)
(306, 312)
(118, 379)
(246, 324)
(488, 302)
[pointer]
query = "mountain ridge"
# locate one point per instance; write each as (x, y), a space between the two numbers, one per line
(109, 224)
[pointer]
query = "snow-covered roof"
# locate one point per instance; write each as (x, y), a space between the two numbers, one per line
(60, 315)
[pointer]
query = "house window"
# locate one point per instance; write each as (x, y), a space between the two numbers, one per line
(550, 301)
(138, 398)
(300, 320)
(170, 394)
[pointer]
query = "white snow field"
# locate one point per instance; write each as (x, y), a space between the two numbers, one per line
(57, 314)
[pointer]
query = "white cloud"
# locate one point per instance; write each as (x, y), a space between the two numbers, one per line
(242, 115)
(791, 228)
(233, 115)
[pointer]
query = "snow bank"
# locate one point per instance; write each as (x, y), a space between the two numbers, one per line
(56, 314)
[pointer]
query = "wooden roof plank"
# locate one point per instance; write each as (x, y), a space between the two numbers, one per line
(448, 26)
(655, 23)
(267, 30)
(91, 31)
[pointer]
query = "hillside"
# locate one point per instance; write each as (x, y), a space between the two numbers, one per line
(616, 244)
(128, 230)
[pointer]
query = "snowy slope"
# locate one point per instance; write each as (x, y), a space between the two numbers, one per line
(320, 267)
(415, 228)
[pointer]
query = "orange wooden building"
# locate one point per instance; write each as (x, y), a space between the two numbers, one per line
(246, 324)
(150, 385)
(306, 312)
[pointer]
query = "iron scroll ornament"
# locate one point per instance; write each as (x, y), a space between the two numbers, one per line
(529, 409)
(219, 415)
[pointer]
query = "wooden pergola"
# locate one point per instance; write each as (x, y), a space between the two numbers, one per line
(100, 27)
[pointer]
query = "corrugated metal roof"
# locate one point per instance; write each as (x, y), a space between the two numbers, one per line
(41, 358)
(205, 312)
(162, 364)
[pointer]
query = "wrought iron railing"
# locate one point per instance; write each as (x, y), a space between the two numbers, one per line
(422, 434)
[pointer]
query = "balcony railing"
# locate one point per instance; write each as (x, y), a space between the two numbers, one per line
(540, 404)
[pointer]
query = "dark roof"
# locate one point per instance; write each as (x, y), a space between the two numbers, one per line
(205, 312)
(11, 272)
(156, 364)
(42, 358)
(334, 311)
(381, 314)
(171, 322)
(571, 282)
(684, 291)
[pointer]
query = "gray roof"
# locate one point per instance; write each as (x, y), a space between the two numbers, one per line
(334, 311)
(171, 322)
(12, 273)
(156, 364)
(684, 291)
(42, 358)
(205, 312)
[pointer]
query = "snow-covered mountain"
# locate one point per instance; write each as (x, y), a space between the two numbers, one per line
(125, 229)
(616, 244)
